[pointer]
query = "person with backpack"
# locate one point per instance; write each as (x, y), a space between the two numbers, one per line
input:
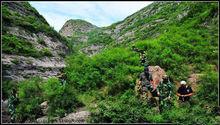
(145, 81)
(164, 90)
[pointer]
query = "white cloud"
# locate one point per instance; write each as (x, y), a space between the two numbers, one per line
(98, 13)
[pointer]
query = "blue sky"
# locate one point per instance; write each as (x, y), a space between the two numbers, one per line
(100, 13)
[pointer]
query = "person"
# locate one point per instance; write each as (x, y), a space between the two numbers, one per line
(143, 58)
(164, 90)
(184, 92)
(12, 102)
(62, 77)
(145, 81)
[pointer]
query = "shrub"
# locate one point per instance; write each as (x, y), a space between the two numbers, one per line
(61, 98)
(99, 37)
(46, 52)
(208, 89)
(41, 41)
(30, 98)
(124, 108)
(7, 87)
(111, 67)
(12, 44)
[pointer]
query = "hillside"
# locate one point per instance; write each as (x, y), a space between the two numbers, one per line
(101, 68)
(30, 47)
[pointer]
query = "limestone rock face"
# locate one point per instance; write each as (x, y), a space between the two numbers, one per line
(28, 27)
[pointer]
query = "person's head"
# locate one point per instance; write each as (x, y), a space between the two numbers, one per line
(146, 70)
(183, 83)
(165, 78)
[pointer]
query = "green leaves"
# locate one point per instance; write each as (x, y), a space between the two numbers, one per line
(30, 97)
(12, 44)
(61, 98)
(99, 37)
(111, 68)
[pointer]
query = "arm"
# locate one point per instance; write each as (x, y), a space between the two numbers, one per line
(190, 94)
(178, 94)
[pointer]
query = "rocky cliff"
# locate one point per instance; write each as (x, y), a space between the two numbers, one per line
(30, 47)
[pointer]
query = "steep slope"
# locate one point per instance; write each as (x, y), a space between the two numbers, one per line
(171, 24)
(154, 19)
(30, 47)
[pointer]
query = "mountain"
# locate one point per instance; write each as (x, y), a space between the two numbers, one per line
(155, 20)
(30, 47)
(76, 28)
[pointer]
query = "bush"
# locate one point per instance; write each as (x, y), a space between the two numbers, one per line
(30, 97)
(41, 41)
(7, 87)
(99, 37)
(46, 52)
(124, 108)
(208, 89)
(12, 44)
(61, 98)
(113, 68)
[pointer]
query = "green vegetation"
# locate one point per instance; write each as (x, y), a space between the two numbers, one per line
(32, 92)
(30, 97)
(104, 83)
(109, 68)
(46, 52)
(12, 44)
(34, 23)
(61, 98)
(182, 47)
(7, 86)
(41, 41)
(99, 37)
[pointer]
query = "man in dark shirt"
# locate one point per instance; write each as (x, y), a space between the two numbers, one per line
(145, 81)
(184, 92)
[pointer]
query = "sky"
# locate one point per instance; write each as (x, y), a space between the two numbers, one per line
(99, 13)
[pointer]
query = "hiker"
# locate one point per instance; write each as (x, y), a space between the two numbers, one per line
(143, 58)
(164, 90)
(184, 92)
(62, 77)
(12, 102)
(145, 81)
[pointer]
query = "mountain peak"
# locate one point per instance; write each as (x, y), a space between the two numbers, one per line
(75, 26)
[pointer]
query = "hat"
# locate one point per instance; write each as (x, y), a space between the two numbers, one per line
(183, 82)
(164, 76)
